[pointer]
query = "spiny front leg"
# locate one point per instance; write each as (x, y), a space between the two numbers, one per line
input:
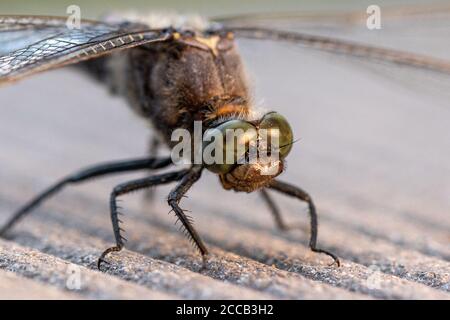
(128, 187)
(174, 198)
(298, 193)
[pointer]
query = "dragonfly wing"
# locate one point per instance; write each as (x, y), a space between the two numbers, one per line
(409, 53)
(351, 48)
(34, 44)
(327, 19)
(409, 34)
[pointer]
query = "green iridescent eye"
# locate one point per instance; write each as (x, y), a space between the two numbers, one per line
(226, 144)
(274, 120)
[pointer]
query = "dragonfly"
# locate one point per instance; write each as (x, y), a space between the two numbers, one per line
(174, 71)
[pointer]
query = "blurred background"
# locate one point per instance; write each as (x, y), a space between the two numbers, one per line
(94, 8)
(374, 153)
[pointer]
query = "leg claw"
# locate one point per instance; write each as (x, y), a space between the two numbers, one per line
(105, 253)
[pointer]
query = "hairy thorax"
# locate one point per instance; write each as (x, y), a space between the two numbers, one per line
(179, 81)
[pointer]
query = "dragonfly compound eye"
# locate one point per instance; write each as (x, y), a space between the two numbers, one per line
(227, 144)
(277, 126)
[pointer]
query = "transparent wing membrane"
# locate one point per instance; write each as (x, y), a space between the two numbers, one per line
(20, 31)
(321, 18)
(34, 44)
(346, 47)
(411, 48)
(410, 37)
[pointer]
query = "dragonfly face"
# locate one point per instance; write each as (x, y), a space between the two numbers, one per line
(257, 150)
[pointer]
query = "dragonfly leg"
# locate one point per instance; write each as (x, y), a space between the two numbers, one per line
(186, 221)
(304, 196)
(279, 221)
(128, 187)
(84, 175)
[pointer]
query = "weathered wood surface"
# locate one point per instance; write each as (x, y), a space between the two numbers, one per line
(374, 153)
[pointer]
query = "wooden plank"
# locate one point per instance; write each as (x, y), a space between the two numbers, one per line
(13, 287)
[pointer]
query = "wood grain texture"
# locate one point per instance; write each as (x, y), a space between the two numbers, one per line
(373, 151)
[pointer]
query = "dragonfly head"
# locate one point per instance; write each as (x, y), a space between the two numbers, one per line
(247, 155)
